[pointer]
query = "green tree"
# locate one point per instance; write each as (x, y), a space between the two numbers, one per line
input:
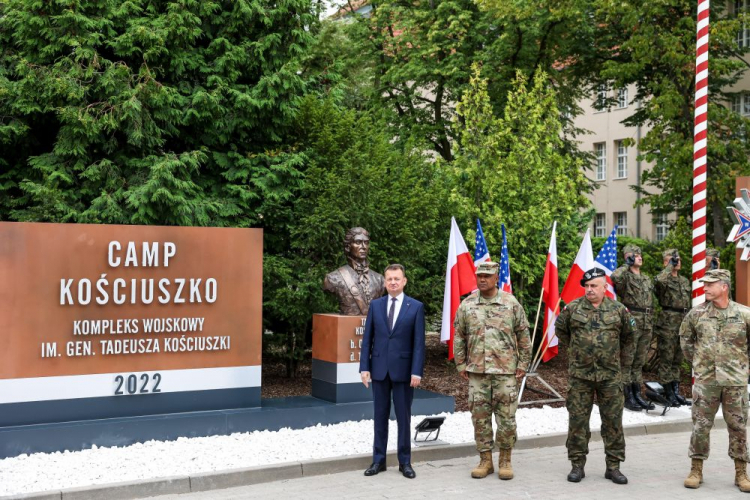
(652, 46)
(513, 169)
(419, 56)
(148, 111)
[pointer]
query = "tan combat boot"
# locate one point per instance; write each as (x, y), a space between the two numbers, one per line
(504, 467)
(485, 465)
(740, 476)
(695, 478)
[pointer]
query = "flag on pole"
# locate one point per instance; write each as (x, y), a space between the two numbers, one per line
(551, 298)
(459, 280)
(584, 261)
(606, 260)
(504, 281)
(481, 253)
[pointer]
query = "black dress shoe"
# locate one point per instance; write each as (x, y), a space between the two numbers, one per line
(616, 476)
(374, 469)
(407, 471)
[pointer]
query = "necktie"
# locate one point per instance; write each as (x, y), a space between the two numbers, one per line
(391, 313)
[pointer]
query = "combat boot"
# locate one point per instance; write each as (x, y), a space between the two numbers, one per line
(678, 396)
(504, 467)
(630, 403)
(740, 476)
(576, 473)
(638, 399)
(670, 395)
(695, 478)
(485, 466)
(616, 476)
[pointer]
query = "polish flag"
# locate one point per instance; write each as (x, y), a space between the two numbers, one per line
(459, 280)
(551, 298)
(584, 261)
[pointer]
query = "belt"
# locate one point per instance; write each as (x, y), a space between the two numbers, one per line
(647, 310)
(682, 310)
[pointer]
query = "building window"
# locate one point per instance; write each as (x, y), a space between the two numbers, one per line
(621, 220)
(622, 160)
(743, 35)
(622, 98)
(662, 227)
(741, 103)
(600, 149)
(602, 94)
(600, 225)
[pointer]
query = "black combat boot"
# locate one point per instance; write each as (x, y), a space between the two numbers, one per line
(630, 403)
(576, 473)
(616, 476)
(638, 399)
(678, 396)
(670, 395)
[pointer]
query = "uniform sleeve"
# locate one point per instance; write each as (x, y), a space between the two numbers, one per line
(523, 339)
(562, 326)
(688, 338)
(660, 282)
(619, 279)
(627, 335)
(459, 339)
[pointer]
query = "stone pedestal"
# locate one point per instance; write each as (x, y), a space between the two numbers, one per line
(336, 345)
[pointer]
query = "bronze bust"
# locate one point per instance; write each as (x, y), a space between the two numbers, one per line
(354, 284)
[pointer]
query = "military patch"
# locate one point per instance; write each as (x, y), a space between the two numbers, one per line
(632, 322)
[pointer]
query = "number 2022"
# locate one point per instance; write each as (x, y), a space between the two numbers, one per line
(133, 384)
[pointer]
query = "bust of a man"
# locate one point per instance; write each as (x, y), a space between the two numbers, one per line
(354, 284)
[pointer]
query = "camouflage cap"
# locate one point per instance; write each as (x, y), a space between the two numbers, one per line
(488, 267)
(667, 254)
(712, 253)
(715, 275)
(591, 274)
(630, 248)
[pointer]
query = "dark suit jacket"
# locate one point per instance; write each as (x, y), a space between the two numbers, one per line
(398, 353)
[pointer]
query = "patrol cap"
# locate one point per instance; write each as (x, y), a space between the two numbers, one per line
(488, 267)
(667, 254)
(715, 275)
(712, 252)
(591, 274)
(630, 248)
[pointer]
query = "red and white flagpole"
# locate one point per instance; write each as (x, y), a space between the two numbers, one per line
(699, 152)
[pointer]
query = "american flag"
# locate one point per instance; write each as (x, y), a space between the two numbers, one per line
(606, 260)
(504, 281)
(481, 254)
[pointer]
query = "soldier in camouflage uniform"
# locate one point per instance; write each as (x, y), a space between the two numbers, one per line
(634, 289)
(492, 350)
(715, 338)
(598, 333)
(713, 260)
(673, 293)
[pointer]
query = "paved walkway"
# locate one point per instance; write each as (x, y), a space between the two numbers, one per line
(656, 466)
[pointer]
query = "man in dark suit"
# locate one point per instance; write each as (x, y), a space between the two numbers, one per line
(393, 359)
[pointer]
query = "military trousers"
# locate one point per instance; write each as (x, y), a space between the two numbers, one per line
(667, 331)
(706, 400)
(641, 344)
(493, 395)
(580, 401)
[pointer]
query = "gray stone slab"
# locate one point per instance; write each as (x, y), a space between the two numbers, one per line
(667, 427)
(337, 464)
(131, 489)
(244, 477)
(45, 495)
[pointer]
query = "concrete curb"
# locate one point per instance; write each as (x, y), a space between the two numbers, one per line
(293, 470)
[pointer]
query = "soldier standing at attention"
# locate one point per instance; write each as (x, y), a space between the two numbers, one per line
(598, 333)
(673, 293)
(492, 350)
(715, 338)
(634, 289)
(713, 260)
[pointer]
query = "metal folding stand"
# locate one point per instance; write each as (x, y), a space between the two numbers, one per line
(553, 395)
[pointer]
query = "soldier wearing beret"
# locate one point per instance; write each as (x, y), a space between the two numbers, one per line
(715, 338)
(598, 333)
(492, 350)
(635, 290)
(673, 293)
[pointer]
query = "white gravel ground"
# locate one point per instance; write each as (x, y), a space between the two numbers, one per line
(48, 471)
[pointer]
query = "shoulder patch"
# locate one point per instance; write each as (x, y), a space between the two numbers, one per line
(632, 322)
